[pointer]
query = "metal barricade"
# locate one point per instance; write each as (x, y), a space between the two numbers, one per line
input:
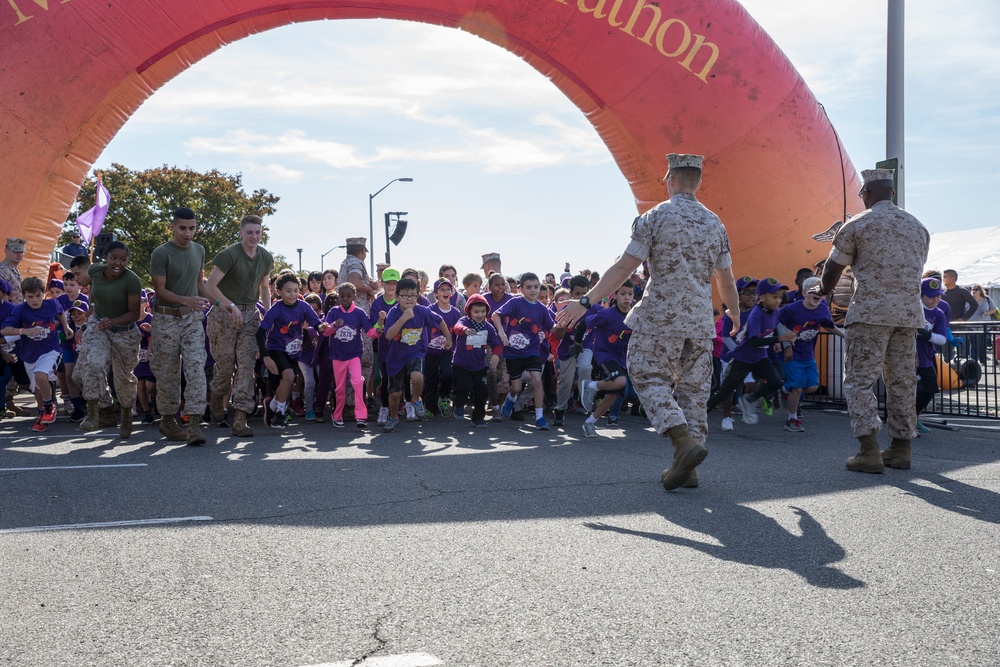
(968, 373)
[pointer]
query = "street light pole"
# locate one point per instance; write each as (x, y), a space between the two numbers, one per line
(371, 221)
(299, 250)
(894, 94)
(323, 256)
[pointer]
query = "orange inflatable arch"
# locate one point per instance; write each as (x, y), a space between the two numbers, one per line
(652, 77)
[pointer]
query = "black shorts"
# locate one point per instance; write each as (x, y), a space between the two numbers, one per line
(398, 381)
(517, 367)
(282, 361)
(611, 370)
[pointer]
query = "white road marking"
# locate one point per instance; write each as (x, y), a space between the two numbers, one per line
(401, 660)
(107, 524)
(107, 465)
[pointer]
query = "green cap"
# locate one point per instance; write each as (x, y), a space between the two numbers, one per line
(390, 274)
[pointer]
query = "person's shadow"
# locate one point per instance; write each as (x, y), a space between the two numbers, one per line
(752, 538)
(953, 495)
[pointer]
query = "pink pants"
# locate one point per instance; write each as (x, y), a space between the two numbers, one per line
(340, 371)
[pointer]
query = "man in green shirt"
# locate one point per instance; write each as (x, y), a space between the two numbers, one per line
(177, 270)
(238, 279)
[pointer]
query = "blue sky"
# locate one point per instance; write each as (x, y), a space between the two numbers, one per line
(322, 114)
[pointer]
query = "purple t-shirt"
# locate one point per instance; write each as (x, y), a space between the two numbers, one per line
(729, 342)
(525, 325)
(760, 324)
(142, 369)
(937, 321)
(496, 304)
(47, 315)
(67, 303)
(435, 342)
(610, 334)
(475, 345)
(347, 340)
(381, 305)
(806, 323)
(411, 341)
(284, 325)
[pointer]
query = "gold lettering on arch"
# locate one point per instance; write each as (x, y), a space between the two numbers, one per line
(21, 16)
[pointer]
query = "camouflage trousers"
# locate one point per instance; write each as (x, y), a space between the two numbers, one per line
(871, 351)
(673, 379)
(235, 352)
(117, 352)
(178, 342)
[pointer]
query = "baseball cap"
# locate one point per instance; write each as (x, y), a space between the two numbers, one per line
(745, 282)
(769, 285)
(931, 287)
(390, 275)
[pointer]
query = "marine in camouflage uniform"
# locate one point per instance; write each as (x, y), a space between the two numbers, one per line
(8, 268)
(118, 351)
(886, 248)
(670, 351)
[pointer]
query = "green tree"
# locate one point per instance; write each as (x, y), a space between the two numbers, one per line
(143, 202)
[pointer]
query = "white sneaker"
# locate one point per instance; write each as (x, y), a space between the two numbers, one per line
(727, 423)
(411, 413)
(750, 415)
(383, 416)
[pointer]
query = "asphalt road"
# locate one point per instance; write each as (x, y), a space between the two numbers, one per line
(445, 544)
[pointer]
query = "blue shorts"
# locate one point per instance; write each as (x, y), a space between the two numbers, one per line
(800, 374)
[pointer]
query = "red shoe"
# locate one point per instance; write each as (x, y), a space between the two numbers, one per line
(298, 407)
(38, 426)
(49, 416)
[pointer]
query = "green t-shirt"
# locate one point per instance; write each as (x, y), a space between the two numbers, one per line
(241, 284)
(110, 297)
(181, 268)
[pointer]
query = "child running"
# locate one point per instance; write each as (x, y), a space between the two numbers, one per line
(279, 339)
(803, 317)
(405, 330)
(475, 339)
(348, 324)
(438, 372)
(35, 321)
(611, 336)
(520, 323)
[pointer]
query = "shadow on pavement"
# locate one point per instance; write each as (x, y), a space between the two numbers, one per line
(752, 538)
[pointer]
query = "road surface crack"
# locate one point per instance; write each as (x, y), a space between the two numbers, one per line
(380, 640)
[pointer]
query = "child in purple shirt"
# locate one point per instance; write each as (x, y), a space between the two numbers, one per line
(308, 359)
(475, 338)
(611, 336)
(438, 369)
(498, 381)
(750, 355)
(36, 321)
(804, 318)
(932, 335)
(348, 326)
(379, 310)
(521, 322)
(406, 327)
(279, 340)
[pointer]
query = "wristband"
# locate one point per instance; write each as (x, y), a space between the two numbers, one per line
(218, 303)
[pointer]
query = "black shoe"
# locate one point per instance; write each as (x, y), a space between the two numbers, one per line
(516, 416)
(560, 418)
(268, 412)
(148, 417)
(77, 416)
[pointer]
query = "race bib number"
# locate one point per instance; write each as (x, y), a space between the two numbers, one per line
(143, 355)
(345, 334)
(294, 346)
(436, 343)
(476, 339)
(519, 341)
(410, 336)
(808, 334)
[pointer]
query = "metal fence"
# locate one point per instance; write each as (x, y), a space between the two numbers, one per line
(968, 372)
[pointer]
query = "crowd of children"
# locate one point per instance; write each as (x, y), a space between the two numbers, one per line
(460, 352)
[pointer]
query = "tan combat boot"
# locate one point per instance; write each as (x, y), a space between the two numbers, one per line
(106, 417)
(688, 453)
(216, 409)
(240, 428)
(868, 458)
(194, 434)
(692, 482)
(171, 429)
(898, 454)
(125, 428)
(92, 421)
